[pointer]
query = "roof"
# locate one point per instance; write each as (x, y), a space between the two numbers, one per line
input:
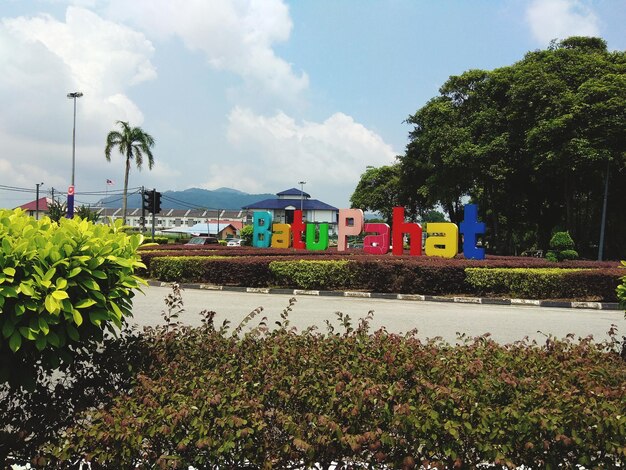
(307, 204)
(200, 228)
(32, 206)
(293, 192)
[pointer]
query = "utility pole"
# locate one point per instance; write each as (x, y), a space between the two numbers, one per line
(143, 211)
(153, 210)
(604, 203)
(37, 201)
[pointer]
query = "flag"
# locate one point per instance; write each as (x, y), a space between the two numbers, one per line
(110, 182)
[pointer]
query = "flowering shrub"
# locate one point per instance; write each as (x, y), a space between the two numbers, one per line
(279, 399)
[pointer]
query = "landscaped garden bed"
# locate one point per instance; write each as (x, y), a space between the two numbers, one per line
(512, 277)
(73, 389)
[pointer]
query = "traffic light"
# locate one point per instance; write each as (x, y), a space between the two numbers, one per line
(157, 201)
(148, 200)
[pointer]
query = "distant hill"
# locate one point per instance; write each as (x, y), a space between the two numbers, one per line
(194, 198)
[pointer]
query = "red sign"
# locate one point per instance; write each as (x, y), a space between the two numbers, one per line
(70, 191)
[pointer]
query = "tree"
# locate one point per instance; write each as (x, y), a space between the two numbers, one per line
(56, 210)
(531, 143)
(133, 143)
(86, 213)
(246, 233)
(377, 191)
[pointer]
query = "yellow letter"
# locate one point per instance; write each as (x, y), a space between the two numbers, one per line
(281, 235)
(443, 239)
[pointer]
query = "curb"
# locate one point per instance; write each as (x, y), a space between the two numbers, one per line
(406, 297)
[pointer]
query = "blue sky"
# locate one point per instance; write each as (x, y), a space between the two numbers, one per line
(254, 95)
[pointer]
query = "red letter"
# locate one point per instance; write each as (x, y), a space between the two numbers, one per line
(400, 227)
(297, 229)
(376, 244)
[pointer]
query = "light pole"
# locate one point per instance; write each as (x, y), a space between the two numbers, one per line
(37, 201)
(70, 191)
(603, 221)
(301, 183)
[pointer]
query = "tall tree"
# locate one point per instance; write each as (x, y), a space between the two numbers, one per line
(377, 190)
(531, 143)
(133, 143)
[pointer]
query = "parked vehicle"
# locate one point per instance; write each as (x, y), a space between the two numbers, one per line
(234, 242)
(203, 241)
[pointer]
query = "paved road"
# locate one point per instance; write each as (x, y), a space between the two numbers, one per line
(505, 323)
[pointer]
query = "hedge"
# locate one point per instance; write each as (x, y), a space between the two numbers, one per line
(285, 400)
(403, 275)
(548, 283)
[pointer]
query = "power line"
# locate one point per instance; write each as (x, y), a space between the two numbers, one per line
(135, 190)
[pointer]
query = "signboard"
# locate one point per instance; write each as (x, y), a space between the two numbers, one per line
(442, 238)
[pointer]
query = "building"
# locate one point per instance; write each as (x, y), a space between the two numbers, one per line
(282, 208)
(222, 223)
(36, 208)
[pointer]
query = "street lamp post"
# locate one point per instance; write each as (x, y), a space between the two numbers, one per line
(70, 192)
(37, 201)
(301, 183)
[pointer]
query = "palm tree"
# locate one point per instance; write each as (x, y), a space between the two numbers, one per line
(133, 143)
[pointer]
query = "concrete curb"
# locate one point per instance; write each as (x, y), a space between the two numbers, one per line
(406, 297)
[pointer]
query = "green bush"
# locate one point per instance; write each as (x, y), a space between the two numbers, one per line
(621, 289)
(246, 234)
(61, 285)
(279, 399)
(305, 274)
(181, 268)
(562, 247)
(218, 270)
(562, 241)
(533, 283)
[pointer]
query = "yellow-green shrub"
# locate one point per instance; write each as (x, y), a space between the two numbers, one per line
(61, 285)
(537, 283)
(305, 274)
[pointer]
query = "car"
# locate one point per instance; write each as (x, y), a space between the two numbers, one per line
(203, 241)
(234, 242)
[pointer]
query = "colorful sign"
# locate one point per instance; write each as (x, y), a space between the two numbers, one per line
(442, 238)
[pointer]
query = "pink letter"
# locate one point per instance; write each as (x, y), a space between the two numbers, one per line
(350, 223)
(377, 244)
(400, 228)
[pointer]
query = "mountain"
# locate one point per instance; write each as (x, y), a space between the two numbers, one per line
(194, 198)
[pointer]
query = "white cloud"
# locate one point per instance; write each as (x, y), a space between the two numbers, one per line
(236, 36)
(558, 19)
(42, 59)
(276, 152)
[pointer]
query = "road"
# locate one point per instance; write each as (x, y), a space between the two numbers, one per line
(505, 323)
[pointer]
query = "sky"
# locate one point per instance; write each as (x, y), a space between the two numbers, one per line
(254, 95)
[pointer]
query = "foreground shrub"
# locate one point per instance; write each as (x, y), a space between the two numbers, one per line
(32, 418)
(61, 286)
(285, 400)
